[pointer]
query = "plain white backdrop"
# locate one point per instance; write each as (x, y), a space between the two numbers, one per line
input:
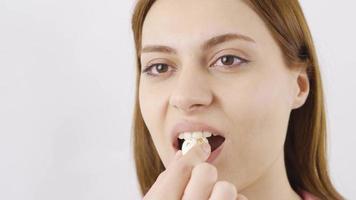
(67, 89)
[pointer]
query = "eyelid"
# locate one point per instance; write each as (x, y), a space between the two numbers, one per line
(159, 61)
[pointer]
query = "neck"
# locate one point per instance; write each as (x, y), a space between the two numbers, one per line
(273, 184)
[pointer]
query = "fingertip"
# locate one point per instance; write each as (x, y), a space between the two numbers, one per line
(198, 153)
(175, 157)
(241, 197)
(206, 148)
(201, 151)
(178, 154)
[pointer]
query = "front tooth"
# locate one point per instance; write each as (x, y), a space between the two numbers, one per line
(206, 134)
(197, 134)
(187, 135)
(181, 136)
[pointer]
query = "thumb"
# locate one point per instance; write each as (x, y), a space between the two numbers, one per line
(199, 153)
(241, 197)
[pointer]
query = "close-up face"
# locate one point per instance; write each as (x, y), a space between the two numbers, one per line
(238, 84)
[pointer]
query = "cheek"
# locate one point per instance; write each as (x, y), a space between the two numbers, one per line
(259, 113)
(259, 102)
(151, 106)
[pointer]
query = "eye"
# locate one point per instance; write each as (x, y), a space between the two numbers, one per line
(156, 69)
(229, 61)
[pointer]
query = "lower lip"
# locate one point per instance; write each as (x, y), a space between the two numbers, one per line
(215, 154)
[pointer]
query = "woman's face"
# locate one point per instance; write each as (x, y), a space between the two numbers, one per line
(249, 99)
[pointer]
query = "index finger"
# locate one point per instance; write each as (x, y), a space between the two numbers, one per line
(178, 174)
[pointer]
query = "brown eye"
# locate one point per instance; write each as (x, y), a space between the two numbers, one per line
(157, 69)
(161, 68)
(228, 61)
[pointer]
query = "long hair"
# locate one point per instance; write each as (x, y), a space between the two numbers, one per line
(305, 148)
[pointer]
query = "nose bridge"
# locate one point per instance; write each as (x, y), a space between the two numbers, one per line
(191, 89)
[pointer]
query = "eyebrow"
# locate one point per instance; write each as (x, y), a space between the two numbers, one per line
(206, 45)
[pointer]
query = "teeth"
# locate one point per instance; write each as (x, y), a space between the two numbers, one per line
(195, 134)
(206, 134)
(193, 138)
(187, 136)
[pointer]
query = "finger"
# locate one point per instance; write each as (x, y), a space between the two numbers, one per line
(178, 174)
(179, 152)
(202, 181)
(223, 190)
(199, 153)
(241, 197)
(176, 157)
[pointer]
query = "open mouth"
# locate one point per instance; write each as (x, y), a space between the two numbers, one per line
(214, 141)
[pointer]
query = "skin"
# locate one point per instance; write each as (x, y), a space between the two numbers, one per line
(250, 102)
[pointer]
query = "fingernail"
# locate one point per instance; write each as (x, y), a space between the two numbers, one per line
(206, 148)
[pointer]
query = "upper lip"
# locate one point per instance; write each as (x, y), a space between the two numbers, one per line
(187, 126)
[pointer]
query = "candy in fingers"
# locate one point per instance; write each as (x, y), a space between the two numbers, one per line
(191, 142)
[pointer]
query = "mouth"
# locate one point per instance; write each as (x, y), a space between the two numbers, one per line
(186, 130)
(215, 141)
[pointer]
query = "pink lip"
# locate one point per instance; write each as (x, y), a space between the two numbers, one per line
(187, 126)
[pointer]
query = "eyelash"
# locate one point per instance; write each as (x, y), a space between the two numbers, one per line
(241, 60)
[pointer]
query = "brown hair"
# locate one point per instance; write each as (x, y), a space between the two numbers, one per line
(305, 145)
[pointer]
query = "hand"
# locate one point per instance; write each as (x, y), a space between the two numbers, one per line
(189, 177)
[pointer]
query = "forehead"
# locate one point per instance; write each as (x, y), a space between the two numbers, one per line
(183, 22)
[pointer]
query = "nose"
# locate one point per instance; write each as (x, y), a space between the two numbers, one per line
(191, 92)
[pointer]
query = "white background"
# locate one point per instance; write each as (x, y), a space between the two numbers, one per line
(67, 88)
